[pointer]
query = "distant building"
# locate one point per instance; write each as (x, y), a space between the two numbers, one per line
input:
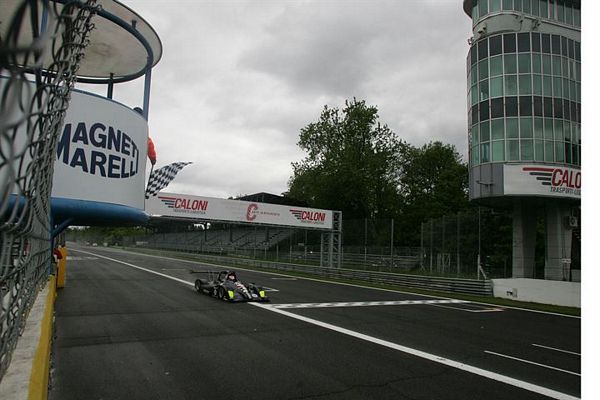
(524, 123)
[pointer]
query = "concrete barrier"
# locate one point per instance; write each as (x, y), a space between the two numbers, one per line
(28, 372)
(558, 293)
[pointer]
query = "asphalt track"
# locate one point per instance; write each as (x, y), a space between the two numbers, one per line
(131, 326)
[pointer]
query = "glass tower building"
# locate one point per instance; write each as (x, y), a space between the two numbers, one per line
(524, 122)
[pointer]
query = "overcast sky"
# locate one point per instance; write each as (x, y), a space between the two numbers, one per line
(239, 79)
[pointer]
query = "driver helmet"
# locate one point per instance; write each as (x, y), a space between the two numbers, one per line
(231, 276)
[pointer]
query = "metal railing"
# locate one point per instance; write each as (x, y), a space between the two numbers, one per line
(433, 283)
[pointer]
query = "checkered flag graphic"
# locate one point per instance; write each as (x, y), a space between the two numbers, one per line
(161, 178)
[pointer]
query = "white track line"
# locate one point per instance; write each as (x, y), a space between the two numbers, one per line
(533, 363)
(428, 356)
(365, 303)
(555, 349)
(471, 311)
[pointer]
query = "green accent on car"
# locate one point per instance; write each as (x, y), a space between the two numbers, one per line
(231, 294)
(261, 293)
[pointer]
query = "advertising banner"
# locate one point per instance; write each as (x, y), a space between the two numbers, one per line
(101, 153)
(542, 180)
(213, 209)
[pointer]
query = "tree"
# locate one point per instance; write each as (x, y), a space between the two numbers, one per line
(434, 182)
(352, 163)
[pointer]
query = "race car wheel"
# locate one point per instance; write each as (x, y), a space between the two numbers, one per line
(197, 285)
(221, 294)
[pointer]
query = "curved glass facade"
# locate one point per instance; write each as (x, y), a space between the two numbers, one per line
(566, 12)
(524, 98)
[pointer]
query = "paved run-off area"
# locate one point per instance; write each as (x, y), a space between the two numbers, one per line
(131, 326)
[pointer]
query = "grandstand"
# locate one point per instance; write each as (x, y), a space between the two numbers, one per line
(238, 240)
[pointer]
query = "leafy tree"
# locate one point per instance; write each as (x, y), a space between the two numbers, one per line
(352, 163)
(434, 182)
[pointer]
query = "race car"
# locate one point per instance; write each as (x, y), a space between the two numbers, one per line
(226, 286)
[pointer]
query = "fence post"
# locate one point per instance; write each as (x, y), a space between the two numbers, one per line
(422, 266)
(321, 252)
(431, 246)
(305, 243)
(365, 264)
(392, 247)
(443, 244)
(458, 244)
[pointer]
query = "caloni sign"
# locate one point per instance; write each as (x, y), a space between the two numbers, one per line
(213, 209)
(542, 180)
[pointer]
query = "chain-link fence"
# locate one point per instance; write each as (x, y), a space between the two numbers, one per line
(455, 245)
(367, 244)
(450, 246)
(41, 45)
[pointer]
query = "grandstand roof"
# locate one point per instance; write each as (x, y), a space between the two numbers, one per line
(263, 197)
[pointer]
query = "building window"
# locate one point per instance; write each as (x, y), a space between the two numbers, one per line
(526, 150)
(559, 152)
(497, 107)
(484, 132)
(525, 106)
(538, 128)
(525, 84)
(538, 150)
(548, 151)
(498, 150)
(496, 87)
(520, 95)
(544, 8)
(536, 63)
(545, 43)
(537, 84)
(510, 64)
(496, 66)
(497, 129)
(510, 44)
(484, 90)
(512, 128)
(483, 69)
(475, 135)
(526, 130)
(523, 42)
(483, 7)
(538, 106)
(555, 40)
(513, 150)
(548, 132)
(495, 45)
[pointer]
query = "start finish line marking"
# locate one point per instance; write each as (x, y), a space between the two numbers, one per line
(366, 303)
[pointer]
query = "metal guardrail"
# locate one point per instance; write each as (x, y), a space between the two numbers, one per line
(442, 284)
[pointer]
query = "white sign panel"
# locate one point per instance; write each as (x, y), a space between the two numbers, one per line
(101, 153)
(208, 208)
(542, 180)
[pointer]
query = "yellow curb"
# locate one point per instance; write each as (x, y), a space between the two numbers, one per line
(40, 371)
